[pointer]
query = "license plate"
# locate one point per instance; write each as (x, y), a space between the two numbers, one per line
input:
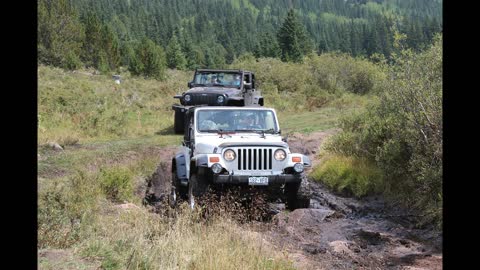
(258, 180)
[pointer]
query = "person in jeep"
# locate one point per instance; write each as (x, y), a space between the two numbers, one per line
(249, 123)
(214, 80)
(236, 80)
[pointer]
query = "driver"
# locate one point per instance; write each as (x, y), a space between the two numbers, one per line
(213, 79)
(248, 122)
(236, 80)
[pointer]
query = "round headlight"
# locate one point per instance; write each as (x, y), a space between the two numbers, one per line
(298, 167)
(229, 155)
(187, 98)
(216, 168)
(220, 99)
(280, 155)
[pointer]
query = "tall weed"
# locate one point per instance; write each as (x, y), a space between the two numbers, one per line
(349, 175)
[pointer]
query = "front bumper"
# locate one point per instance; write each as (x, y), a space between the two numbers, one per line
(243, 179)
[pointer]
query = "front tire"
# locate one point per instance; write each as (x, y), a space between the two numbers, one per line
(197, 186)
(298, 194)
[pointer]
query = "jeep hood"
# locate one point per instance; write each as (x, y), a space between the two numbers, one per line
(214, 90)
(206, 144)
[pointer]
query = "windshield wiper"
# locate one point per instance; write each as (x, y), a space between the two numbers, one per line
(222, 132)
(270, 131)
(263, 132)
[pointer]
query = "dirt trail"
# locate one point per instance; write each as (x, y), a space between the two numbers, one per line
(345, 233)
(336, 232)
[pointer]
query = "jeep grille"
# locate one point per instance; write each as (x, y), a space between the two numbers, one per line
(254, 158)
(201, 99)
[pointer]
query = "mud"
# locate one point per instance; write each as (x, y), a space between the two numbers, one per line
(335, 232)
(341, 233)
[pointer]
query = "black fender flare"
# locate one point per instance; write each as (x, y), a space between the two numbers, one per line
(182, 169)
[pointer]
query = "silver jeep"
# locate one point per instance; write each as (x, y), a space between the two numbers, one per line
(241, 146)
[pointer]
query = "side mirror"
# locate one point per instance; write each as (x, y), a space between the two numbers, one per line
(190, 84)
(247, 85)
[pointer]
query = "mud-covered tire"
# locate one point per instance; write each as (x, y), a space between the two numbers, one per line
(177, 191)
(197, 186)
(298, 194)
(179, 122)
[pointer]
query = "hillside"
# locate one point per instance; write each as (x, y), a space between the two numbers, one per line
(212, 33)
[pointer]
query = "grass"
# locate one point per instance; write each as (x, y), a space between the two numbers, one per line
(324, 118)
(78, 107)
(142, 240)
(53, 163)
(349, 175)
(79, 213)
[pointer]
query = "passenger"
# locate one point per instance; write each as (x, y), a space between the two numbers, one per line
(236, 80)
(208, 125)
(248, 123)
(213, 79)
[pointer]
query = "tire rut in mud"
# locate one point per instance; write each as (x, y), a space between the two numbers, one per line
(344, 233)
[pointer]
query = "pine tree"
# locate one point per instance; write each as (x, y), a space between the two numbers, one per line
(127, 53)
(149, 61)
(93, 40)
(292, 38)
(60, 34)
(191, 55)
(175, 57)
(295, 53)
(111, 47)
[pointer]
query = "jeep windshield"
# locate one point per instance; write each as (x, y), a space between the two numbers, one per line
(223, 79)
(232, 121)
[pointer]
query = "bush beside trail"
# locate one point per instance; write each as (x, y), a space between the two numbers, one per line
(402, 133)
(317, 82)
(349, 175)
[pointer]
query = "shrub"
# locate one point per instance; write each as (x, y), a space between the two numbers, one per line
(402, 132)
(117, 183)
(349, 175)
(65, 207)
(312, 85)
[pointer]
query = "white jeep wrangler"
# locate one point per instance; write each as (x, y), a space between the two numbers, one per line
(226, 146)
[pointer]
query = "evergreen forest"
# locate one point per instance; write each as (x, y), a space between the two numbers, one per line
(148, 36)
